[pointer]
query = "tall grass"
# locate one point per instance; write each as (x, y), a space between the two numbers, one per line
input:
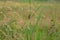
(11, 30)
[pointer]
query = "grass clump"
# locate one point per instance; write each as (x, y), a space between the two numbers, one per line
(1, 16)
(13, 31)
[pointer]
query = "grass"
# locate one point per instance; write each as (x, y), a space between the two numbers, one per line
(1, 16)
(38, 22)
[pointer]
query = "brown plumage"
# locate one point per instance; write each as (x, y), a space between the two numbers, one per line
(29, 16)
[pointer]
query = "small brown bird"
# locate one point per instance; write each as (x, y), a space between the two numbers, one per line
(29, 16)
